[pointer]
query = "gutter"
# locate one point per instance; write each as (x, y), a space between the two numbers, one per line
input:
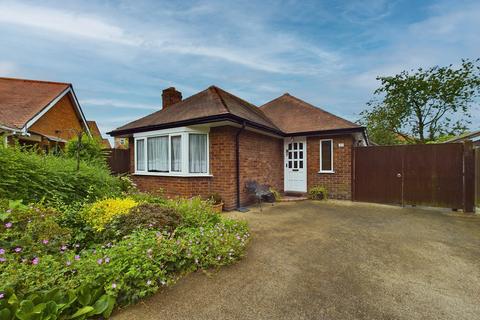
(237, 160)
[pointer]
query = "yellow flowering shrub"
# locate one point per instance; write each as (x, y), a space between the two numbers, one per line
(102, 212)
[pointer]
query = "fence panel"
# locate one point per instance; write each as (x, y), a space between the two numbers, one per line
(118, 160)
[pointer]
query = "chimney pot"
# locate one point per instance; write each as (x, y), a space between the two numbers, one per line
(170, 96)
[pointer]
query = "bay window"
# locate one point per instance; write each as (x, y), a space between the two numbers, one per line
(176, 152)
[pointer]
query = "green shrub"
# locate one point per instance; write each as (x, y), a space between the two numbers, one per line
(101, 212)
(89, 149)
(150, 247)
(143, 216)
(318, 193)
(31, 231)
(194, 212)
(34, 177)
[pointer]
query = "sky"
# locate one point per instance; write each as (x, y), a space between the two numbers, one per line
(120, 55)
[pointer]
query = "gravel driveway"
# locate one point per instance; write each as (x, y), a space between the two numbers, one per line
(337, 260)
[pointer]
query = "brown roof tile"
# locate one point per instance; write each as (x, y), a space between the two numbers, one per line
(21, 100)
(293, 115)
(210, 102)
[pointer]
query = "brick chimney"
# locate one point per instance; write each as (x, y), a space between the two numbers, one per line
(170, 96)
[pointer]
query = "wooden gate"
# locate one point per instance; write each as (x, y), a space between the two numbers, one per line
(439, 175)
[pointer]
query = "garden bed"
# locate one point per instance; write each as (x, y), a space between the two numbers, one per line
(64, 259)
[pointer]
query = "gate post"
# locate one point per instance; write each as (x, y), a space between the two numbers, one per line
(468, 177)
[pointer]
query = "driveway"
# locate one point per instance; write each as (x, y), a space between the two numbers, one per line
(337, 260)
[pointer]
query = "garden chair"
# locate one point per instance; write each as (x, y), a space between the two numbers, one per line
(260, 192)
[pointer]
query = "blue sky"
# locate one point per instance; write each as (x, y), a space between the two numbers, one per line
(119, 55)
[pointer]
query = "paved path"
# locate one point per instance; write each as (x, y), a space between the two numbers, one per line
(337, 260)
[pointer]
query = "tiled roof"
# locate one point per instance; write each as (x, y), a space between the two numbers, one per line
(21, 100)
(293, 115)
(95, 132)
(208, 103)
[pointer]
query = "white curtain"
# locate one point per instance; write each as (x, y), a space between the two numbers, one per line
(157, 154)
(176, 153)
(198, 153)
(140, 155)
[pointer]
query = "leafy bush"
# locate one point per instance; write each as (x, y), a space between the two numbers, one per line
(136, 253)
(194, 212)
(143, 216)
(88, 149)
(34, 177)
(318, 193)
(31, 231)
(103, 211)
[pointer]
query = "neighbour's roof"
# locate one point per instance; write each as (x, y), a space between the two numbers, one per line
(473, 135)
(293, 115)
(208, 103)
(95, 132)
(21, 100)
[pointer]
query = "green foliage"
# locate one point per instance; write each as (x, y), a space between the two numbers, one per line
(143, 216)
(101, 212)
(195, 212)
(88, 149)
(136, 254)
(34, 177)
(422, 105)
(215, 198)
(318, 193)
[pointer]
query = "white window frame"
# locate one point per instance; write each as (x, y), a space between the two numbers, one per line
(331, 156)
(144, 155)
(179, 131)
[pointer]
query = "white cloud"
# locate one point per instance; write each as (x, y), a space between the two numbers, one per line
(117, 104)
(68, 23)
(254, 47)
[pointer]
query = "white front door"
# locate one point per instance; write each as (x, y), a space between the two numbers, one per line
(295, 157)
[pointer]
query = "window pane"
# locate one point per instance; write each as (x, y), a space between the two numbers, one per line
(326, 155)
(197, 153)
(176, 153)
(157, 154)
(301, 155)
(140, 155)
(300, 164)
(290, 164)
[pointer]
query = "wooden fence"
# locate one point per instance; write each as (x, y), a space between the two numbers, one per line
(440, 175)
(477, 176)
(118, 160)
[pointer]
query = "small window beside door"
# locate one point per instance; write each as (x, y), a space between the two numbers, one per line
(326, 156)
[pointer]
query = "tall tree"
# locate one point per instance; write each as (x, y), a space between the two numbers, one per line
(424, 104)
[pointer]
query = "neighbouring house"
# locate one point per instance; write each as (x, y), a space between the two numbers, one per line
(121, 143)
(214, 142)
(95, 132)
(474, 136)
(41, 113)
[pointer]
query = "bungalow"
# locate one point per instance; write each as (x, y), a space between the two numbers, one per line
(42, 113)
(213, 142)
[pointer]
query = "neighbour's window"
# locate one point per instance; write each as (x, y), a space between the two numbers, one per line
(176, 153)
(140, 147)
(157, 154)
(326, 155)
(197, 153)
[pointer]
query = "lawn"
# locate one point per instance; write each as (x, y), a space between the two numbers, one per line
(76, 244)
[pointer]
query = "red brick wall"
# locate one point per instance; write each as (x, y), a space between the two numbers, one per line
(338, 184)
(60, 117)
(260, 159)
